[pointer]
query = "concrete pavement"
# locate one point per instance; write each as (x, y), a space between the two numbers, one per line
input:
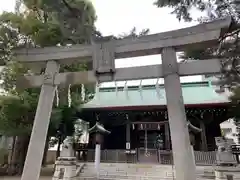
(19, 178)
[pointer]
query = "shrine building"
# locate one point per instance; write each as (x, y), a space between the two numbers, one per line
(136, 114)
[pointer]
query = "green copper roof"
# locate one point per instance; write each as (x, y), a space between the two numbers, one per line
(193, 93)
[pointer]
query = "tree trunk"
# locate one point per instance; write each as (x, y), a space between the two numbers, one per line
(14, 158)
(24, 147)
(19, 155)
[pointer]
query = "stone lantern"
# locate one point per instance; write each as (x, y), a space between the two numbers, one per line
(98, 132)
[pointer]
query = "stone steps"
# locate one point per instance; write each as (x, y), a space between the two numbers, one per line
(123, 171)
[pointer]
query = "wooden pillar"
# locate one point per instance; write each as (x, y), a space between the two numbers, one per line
(146, 141)
(128, 136)
(167, 136)
(182, 153)
(203, 136)
(128, 141)
(37, 142)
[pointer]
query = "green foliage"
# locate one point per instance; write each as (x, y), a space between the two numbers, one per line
(214, 8)
(228, 47)
(74, 19)
(235, 102)
(44, 23)
(14, 116)
(9, 75)
(133, 33)
(181, 8)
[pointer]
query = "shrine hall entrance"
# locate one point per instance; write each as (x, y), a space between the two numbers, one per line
(151, 138)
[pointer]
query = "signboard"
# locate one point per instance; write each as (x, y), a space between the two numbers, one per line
(149, 126)
(128, 145)
(235, 149)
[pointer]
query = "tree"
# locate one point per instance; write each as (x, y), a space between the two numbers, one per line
(44, 23)
(214, 8)
(227, 49)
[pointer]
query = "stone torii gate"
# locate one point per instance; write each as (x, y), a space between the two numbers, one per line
(103, 53)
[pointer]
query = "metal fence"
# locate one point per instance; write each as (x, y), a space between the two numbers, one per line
(205, 158)
(151, 155)
(112, 156)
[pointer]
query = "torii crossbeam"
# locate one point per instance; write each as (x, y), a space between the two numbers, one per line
(103, 53)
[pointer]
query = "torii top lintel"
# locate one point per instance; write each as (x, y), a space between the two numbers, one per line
(129, 47)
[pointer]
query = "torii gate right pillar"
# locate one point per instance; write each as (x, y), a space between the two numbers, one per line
(182, 154)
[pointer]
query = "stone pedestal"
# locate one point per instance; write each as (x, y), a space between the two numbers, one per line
(66, 164)
(219, 175)
(227, 173)
(66, 168)
(225, 158)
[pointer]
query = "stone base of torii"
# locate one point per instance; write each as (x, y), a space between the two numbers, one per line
(103, 54)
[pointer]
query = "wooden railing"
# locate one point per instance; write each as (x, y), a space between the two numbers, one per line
(154, 156)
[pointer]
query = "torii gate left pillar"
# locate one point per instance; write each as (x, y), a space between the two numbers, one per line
(37, 141)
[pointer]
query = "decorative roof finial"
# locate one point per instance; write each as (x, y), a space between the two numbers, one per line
(98, 128)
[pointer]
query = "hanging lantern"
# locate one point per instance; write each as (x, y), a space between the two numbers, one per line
(158, 127)
(133, 126)
(141, 126)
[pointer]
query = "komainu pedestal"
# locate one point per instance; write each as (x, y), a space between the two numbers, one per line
(66, 168)
(224, 155)
(227, 173)
(226, 168)
(66, 164)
